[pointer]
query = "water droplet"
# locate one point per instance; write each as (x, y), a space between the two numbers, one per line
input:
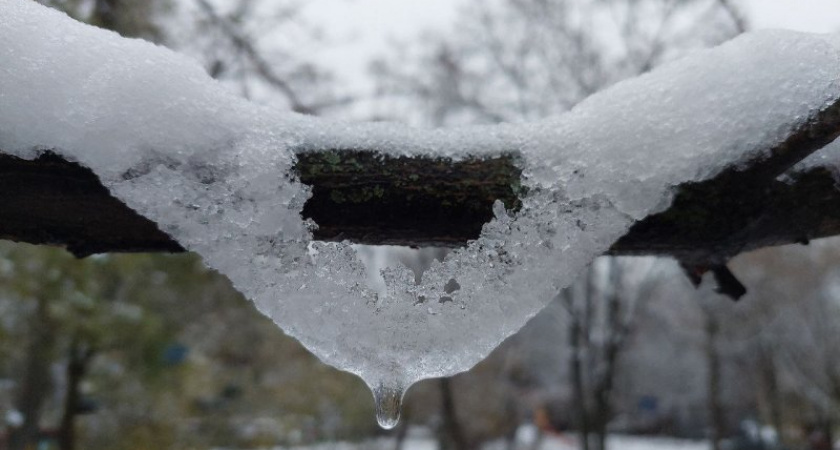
(388, 404)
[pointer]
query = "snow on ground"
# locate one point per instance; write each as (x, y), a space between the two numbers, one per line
(617, 442)
(214, 171)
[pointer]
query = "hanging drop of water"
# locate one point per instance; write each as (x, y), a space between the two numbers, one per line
(388, 401)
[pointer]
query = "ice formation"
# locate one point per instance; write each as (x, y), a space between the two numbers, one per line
(214, 172)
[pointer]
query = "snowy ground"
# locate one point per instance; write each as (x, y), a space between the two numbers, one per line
(632, 443)
(563, 442)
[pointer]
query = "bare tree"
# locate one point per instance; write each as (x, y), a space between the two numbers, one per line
(786, 338)
(714, 388)
(36, 381)
(601, 315)
(257, 46)
(810, 357)
(127, 17)
(515, 60)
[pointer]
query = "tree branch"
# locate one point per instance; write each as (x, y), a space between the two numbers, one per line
(365, 197)
(260, 64)
(52, 201)
(745, 208)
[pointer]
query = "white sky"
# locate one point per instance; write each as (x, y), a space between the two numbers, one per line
(821, 16)
(360, 29)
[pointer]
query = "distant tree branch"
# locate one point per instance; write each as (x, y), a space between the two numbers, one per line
(262, 67)
(738, 19)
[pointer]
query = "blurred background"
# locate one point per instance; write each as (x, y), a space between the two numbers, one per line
(156, 352)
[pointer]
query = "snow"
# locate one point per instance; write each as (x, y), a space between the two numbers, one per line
(418, 440)
(214, 172)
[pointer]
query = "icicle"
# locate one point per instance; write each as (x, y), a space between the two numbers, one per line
(388, 401)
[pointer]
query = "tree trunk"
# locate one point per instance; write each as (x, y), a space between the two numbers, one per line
(105, 14)
(616, 334)
(773, 392)
(77, 366)
(452, 434)
(35, 384)
(402, 433)
(512, 412)
(829, 430)
(716, 418)
(576, 369)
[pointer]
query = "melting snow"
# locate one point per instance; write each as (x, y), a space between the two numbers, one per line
(214, 172)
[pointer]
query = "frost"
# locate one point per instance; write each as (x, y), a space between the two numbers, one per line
(214, 172)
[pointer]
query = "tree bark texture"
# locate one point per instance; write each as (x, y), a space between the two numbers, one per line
(36, 382)
(79, 359)
(576, 369)
(714, 388)
(613, 345)
(365, 197)
(56, 202)
(451, 433)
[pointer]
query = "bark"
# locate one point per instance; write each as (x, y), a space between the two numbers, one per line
(52, 201)
(35, 384)
(55, 202)
(77, 367)
(772, 390)
(401, 434)
(828, 430)
(452, 434)
(368, 198)
(715, 408)
(617, 333)
(106, 14)
(576, 368)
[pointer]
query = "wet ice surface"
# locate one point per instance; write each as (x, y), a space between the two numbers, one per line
(214, 172)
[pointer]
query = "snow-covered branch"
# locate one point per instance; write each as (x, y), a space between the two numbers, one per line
(365, 197)
(685, 161)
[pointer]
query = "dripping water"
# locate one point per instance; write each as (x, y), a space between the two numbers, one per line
(388, 401)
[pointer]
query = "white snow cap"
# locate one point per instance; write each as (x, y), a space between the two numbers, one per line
(213, 171)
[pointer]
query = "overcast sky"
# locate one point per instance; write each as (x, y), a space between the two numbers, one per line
(361, 29)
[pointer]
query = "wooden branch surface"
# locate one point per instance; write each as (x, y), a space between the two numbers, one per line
(52, 201)
(368, 198)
